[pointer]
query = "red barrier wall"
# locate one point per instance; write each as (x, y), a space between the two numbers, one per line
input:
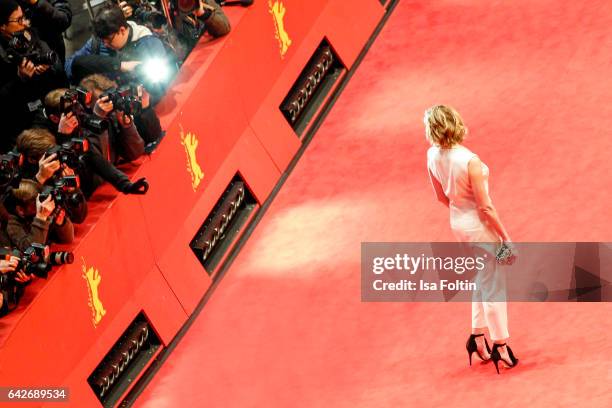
(226, 97)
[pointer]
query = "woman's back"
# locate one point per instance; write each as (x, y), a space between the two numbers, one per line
(450, 167)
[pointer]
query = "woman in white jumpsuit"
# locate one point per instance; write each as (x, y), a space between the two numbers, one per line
(460, 181)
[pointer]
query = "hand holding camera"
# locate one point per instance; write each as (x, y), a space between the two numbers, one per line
(60, 217)
(47, 166)
(68, 123)
(41, 69)
(126, 8)
(26, 69)
(25, 51)
(126, 99)
(45, 208)
(23, 277)
(104, 106)
(8, 265)
(129, 66)
(203, 9)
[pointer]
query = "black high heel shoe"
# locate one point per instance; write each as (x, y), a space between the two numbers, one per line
(472, 347)
(496, 357)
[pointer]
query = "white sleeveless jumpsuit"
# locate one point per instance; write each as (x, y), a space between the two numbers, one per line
(450, 168)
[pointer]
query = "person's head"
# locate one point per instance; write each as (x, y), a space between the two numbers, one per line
(34, 143)
(97, 84)
(24, 197)
(12, 19)
(111, 27)
(444, 126)
(52, 104)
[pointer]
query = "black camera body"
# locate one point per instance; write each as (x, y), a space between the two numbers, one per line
(9, 167)
(35, 260)
(31, 261)
(145, 13)
(23, 45)
(62, 191)
(70, 153)
(125, 99)
(76, 101)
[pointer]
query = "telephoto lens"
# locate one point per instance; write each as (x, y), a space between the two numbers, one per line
(61, 258)
(42, 58)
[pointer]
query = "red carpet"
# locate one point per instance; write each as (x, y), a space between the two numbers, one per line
(286, 328)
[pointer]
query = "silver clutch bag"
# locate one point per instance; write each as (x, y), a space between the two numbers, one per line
(503, 254)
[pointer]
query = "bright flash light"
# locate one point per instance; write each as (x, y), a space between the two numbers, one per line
(156, 70)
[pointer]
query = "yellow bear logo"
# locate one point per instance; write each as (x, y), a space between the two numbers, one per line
(278, 10)
(190, 143)
(93, 278)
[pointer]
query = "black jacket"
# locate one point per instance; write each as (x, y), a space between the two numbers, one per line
(50, 18)
(18, 97)
(96, 168)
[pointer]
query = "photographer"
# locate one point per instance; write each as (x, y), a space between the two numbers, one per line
(125, 140)
(124, 51)
(35, 220)
(9, 293)
(44, 165)
(149, 15)
(96, 169)
(197, 17)
(50, 18)
(28, 70)
(191, 22)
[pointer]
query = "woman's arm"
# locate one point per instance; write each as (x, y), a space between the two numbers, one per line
(437, 186)
(485, 205)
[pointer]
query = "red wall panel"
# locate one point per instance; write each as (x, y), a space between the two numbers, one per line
(226, 97)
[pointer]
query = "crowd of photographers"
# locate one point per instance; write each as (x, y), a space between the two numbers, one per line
(68, 121)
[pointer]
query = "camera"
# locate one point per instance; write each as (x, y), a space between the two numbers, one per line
(73, 98)
(36, 260)
(145, 13)
(66, 195)
(9, 167)
(75, 101)
(23, 45)
(62, 191)
(61, 258)
(125, 99)
(70, 153)
(31, 261)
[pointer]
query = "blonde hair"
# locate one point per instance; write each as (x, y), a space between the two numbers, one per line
(27, 192)
(52, 101)
(98, 82)
(33, 143)
(444, 126)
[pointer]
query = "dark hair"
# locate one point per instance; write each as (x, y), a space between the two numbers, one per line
(7, 7)
(108, 21)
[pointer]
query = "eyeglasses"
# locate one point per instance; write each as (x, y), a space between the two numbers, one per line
(110, 39)
(18, 20)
